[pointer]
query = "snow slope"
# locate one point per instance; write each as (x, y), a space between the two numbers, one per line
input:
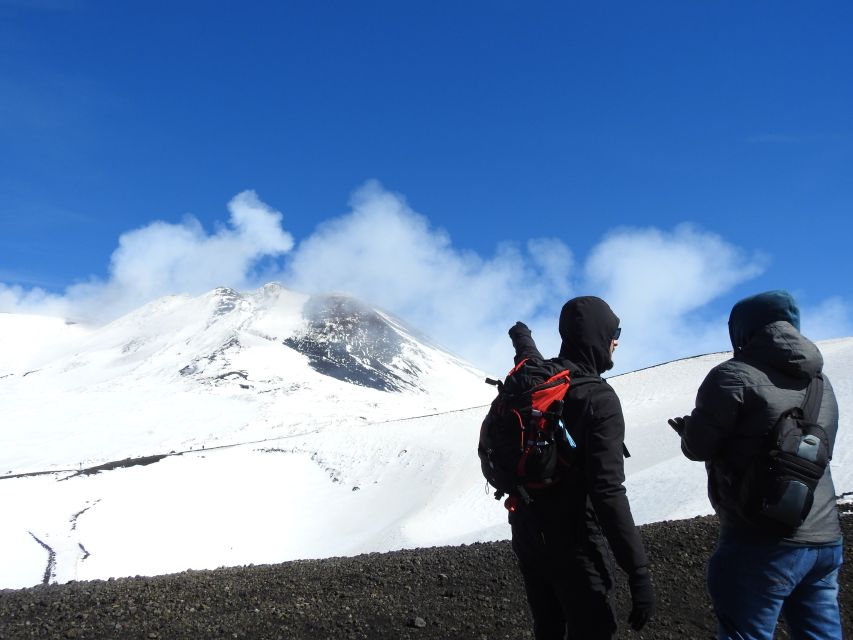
(300, 428)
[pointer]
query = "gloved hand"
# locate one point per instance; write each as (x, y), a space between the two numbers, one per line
(642, 598)
(518, 329)
(678, 424)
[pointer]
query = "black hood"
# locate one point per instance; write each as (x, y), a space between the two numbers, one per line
(587, 325)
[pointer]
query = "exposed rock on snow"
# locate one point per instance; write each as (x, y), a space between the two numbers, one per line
(349, 341)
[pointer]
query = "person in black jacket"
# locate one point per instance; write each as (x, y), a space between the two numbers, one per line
(559, 537)
(757, 572)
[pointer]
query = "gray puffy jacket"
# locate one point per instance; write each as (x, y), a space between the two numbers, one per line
(743, 398)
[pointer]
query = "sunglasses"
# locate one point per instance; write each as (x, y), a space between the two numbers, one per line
(617, 333)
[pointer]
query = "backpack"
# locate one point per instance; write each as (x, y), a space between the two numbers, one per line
(523, 441)
(778, 486)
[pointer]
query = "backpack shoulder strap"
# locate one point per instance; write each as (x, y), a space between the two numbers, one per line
(579, 380)
(588, 379)
(810, 408)
(814, 396)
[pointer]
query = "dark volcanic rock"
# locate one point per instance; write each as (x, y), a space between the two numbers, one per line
(471, 591)
(351, 342)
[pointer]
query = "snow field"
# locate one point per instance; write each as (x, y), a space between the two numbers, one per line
(280, 463)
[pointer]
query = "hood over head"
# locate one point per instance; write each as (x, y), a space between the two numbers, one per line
(753, 313)
(781, 346)
(587, 326)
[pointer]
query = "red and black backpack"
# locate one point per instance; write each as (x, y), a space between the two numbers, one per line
(524, 444)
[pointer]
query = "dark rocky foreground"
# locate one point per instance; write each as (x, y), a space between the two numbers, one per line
(471, 591)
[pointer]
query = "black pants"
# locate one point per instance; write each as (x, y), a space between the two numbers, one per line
(568, 578)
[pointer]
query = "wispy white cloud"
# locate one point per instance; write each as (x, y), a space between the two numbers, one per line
(18, 299)
(384, 252)
(164, 259)
(660, 282)
(832, 318)
(657, 281)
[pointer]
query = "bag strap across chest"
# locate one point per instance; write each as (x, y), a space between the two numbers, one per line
(814, 396)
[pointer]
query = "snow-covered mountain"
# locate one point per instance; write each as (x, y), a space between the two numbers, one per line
(258, 427)
(221, 368)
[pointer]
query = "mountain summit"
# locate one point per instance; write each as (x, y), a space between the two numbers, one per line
(348, 340)
(225, 365)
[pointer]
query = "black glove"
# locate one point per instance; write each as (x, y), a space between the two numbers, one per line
(678, 424)
(642, 598)
(519, 329)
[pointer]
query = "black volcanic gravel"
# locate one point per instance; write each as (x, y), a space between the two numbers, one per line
(472, 591)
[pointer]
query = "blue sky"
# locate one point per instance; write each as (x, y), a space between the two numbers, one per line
(462, 164)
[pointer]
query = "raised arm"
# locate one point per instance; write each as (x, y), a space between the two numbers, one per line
(523, 343)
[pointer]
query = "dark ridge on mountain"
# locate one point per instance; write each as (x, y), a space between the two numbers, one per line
(668, 362)
(349, 341)
(471, 591)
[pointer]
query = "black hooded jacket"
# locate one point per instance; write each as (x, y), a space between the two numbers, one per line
(595, 496)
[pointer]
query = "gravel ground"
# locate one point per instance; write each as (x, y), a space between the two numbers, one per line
(472, 591)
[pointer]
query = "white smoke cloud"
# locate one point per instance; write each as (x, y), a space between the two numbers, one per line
(386, 253)
(17, 299)
(164, 259)
(659, 282)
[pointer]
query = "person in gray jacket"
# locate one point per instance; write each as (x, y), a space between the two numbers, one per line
(756, 573)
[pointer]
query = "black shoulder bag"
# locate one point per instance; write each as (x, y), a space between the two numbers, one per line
(779, 485)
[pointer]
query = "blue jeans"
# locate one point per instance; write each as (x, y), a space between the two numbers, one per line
(751, 583)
